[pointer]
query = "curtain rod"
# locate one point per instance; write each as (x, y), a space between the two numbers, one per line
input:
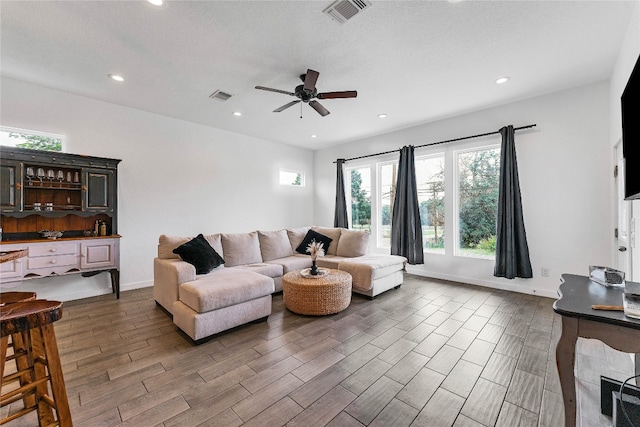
(437, 143)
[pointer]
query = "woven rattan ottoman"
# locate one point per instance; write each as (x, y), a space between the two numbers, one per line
(317, 295)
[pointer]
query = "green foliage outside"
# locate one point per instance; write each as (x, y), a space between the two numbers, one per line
(37, 142)
(386, 215)
(478, 205)
(298, 180)
(478, 180)
(360, 203)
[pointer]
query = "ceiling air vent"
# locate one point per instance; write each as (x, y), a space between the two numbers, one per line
(220, 95)
(343, 10)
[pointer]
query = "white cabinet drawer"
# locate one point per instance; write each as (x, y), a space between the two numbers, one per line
(52, 261)
(47, 249)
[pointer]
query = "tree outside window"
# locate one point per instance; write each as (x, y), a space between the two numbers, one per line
(361, 199)
(27, 139)
(478, 179)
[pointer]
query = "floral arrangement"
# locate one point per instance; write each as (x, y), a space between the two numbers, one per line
(315, 249)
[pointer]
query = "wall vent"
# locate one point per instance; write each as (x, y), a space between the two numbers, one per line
(220, 95)
(343, 10)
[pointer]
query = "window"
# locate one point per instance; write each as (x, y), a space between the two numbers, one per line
(463, 225)
(293, 178)
(23, 138)
(430, 185)
(359, 198)
(478, 177)
(388, 173)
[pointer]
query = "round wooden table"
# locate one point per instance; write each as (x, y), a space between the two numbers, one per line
(327, 294)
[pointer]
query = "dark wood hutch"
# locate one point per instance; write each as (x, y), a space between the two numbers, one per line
(75, 194)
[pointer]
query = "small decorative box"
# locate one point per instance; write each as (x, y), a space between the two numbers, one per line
(606, 276)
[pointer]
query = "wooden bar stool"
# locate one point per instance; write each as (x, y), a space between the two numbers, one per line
(34, 320)
(23, 373)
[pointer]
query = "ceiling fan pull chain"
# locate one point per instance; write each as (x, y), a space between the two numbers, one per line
(301, 110)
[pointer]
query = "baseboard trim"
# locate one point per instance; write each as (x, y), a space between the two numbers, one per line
(486, 283)
(136, 285)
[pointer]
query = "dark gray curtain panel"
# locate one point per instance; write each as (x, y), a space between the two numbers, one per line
(406, 228)
(512, 251)
(340, 218)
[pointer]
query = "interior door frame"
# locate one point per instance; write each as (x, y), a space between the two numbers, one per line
(623, 214)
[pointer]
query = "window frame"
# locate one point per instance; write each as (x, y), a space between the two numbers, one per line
(379, 165)
(456, 198)
(62, 138)
(299, 173)
(443, 156)
(347, 191)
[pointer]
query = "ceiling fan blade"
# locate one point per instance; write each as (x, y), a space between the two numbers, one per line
(310, 80)
(341, 94)
(285, 106)
(275, 90)
(319, 108)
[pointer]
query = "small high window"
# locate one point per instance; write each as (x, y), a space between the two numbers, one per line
(36, 140)
(293, 178)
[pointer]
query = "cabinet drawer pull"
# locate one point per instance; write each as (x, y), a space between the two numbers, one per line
(53, 261)
(53, 250)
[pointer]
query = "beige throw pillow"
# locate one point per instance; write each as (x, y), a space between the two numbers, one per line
(274, 244)
(353, 243)
(166, 245)
(241, 249)
(333, 234)
(215, 240)
(296, 235)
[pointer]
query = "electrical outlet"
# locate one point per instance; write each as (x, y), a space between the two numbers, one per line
(544, 272)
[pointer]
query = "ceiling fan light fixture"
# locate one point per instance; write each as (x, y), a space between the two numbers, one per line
(502, 80)
(314, 136)
(156, 2)
(237, 113)
(116, 77)
(382, 115)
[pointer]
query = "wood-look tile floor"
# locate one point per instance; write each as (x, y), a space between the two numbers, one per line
(431, 353)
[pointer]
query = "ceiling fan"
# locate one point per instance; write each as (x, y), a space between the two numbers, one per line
(308, 93)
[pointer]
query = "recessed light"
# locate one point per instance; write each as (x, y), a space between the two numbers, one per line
(314, 136)
(116, 77)
(237, 113)
(382, 115)
(156, 2)
(503, 79)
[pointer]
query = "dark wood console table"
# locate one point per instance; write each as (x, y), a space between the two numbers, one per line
(577, 295)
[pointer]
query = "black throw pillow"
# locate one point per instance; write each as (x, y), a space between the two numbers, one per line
(199, 253)
(314, 235)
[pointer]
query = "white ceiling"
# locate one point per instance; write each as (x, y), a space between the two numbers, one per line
(417, 61)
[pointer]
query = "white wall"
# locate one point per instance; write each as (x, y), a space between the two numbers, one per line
(175, 177)
(564, 176)
(629, 52)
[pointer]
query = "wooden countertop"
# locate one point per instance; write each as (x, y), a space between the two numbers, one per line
(11, 255)
(60, 239)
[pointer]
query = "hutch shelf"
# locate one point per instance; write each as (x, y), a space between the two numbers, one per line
(75, 194)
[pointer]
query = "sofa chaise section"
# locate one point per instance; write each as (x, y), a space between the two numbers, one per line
(221, 301)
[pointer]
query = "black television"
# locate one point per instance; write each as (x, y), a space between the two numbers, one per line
(630, 106)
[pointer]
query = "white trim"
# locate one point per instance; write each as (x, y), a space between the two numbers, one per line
(486, 283)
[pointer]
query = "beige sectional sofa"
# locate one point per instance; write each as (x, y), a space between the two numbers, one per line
(240, 291)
